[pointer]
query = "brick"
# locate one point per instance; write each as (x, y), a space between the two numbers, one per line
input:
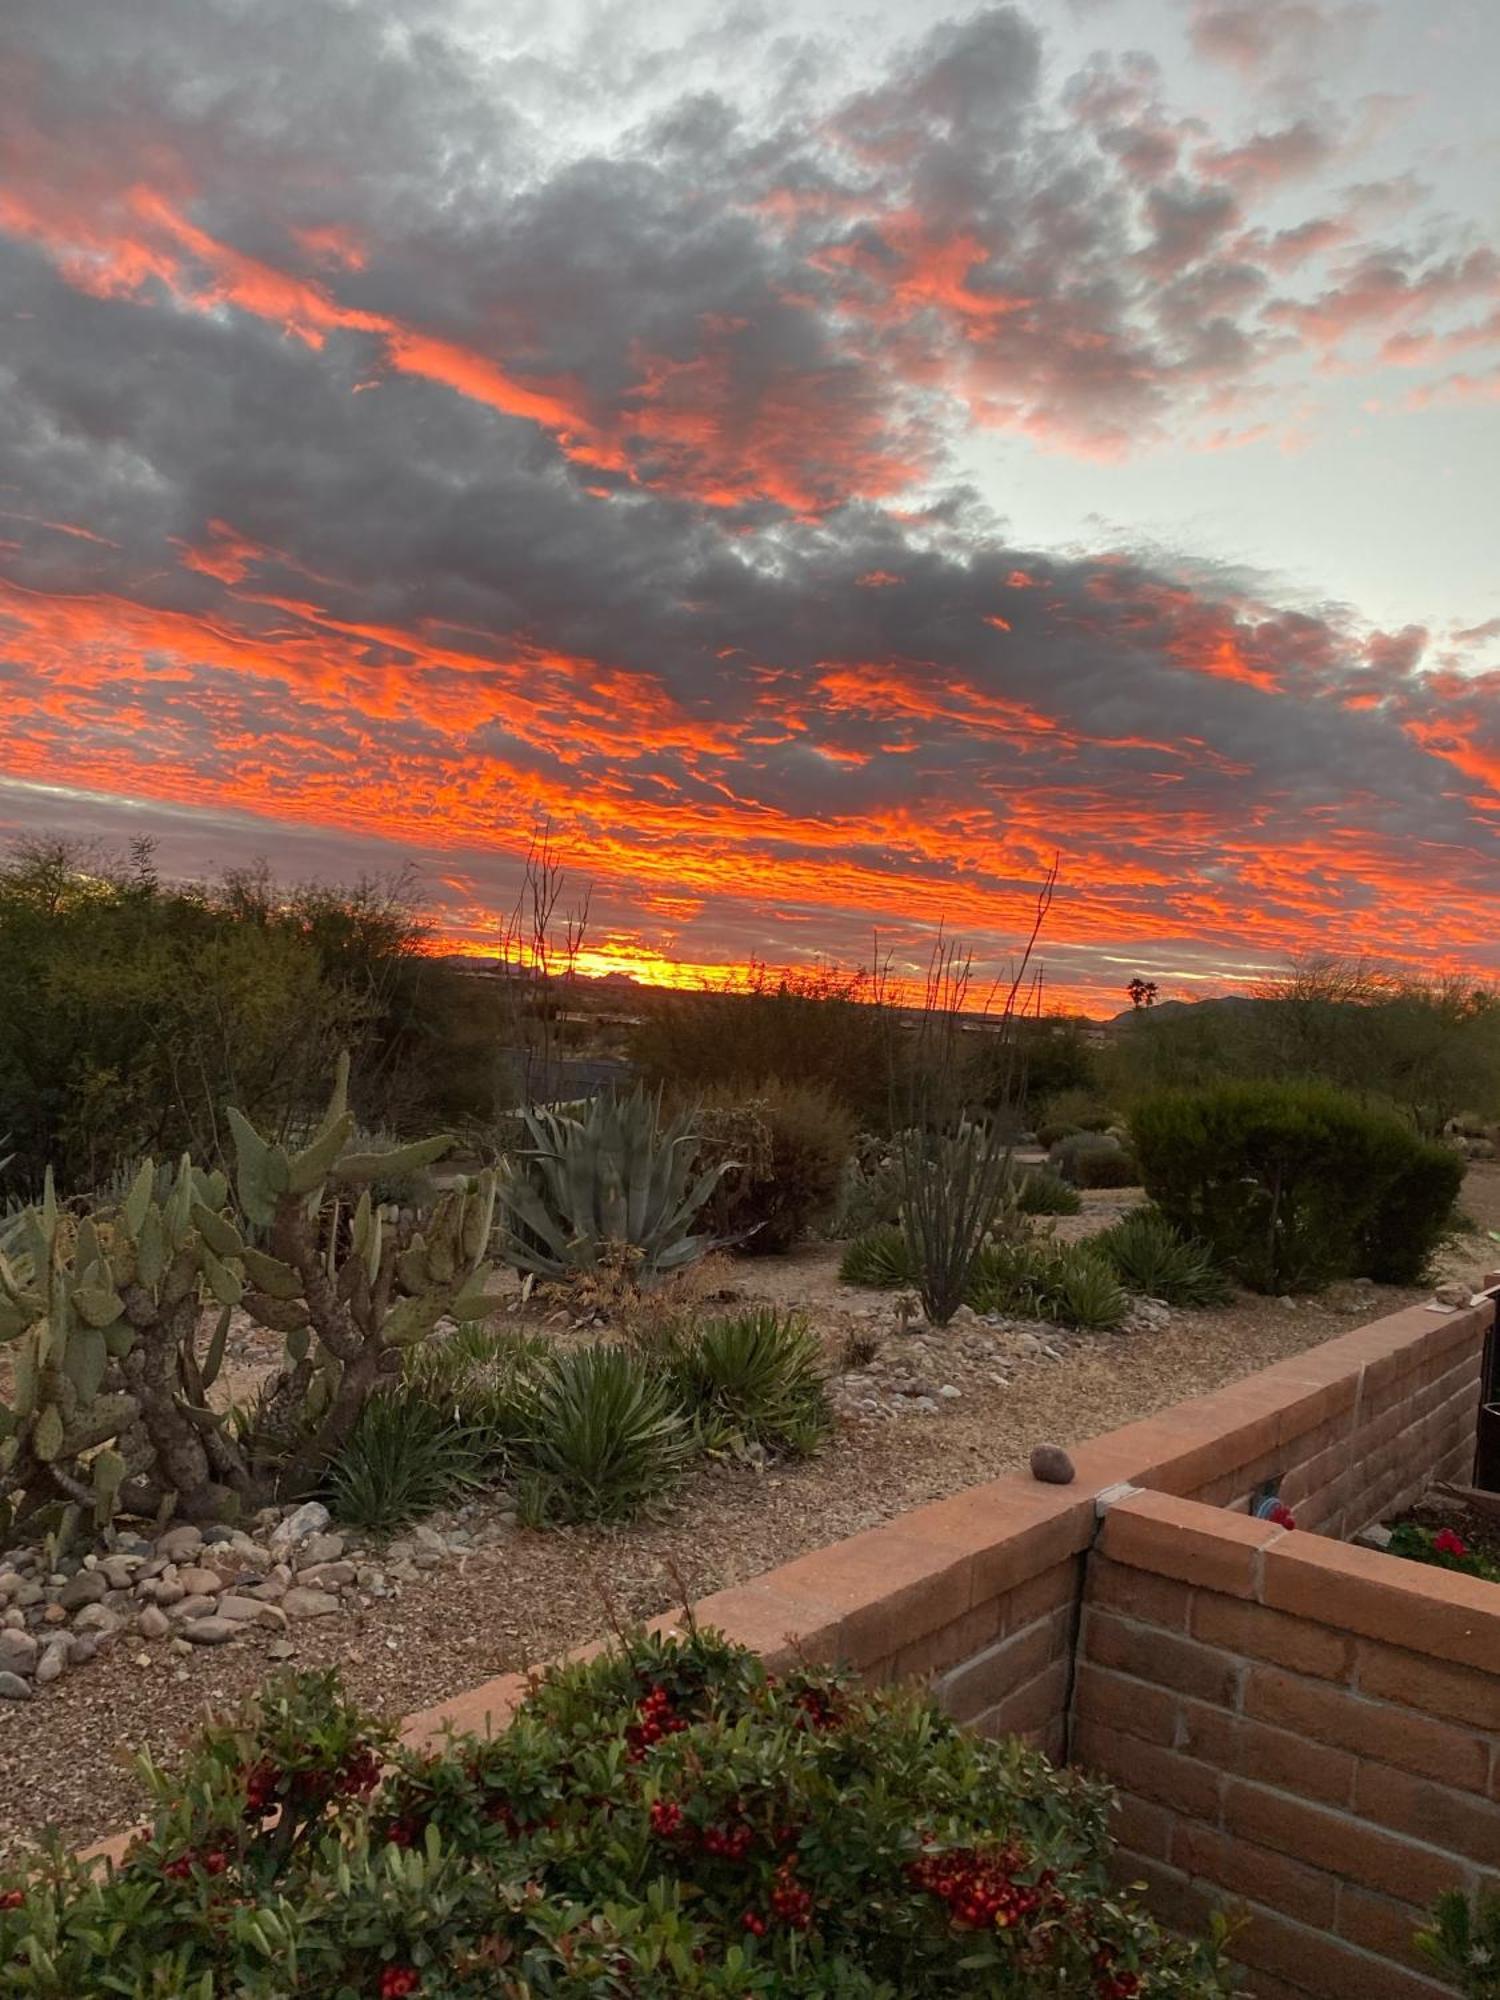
(1333, 1841)
(479, 1711)
(1161, 1658)
(1149, 1599)
(1323, 1967)
(1011, 1529)
(1143, 1828)
(1331, 1715)
(1120, 1703)
(938, 1651)
(889, 1589)
(1257, 1873)
(1462, 1824)
(1162, 1776)
(983, 1682)
(1036, 1709)
(1269, 1756)
(1174, 1898)
(1380, 1924)
(776, 1624)
(1441, 1688)
(1295, 1643)
(1049, 1590)
(1198, 1545)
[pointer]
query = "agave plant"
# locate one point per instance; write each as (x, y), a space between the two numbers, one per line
(880, 1257)
(613, 1184)
(756, 1378)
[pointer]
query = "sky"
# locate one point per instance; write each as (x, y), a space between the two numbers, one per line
(825, 463)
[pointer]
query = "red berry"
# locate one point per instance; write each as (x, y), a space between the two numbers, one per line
(12, 1899)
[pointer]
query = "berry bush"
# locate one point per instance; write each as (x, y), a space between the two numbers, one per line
(669, 1819)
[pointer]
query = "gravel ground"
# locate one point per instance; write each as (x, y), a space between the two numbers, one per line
(64, 1756)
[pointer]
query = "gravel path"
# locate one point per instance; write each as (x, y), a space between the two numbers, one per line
(63, 1756)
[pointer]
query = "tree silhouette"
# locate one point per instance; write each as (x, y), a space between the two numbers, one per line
(1142, 992)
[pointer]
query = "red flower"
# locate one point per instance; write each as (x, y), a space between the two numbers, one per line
(399, 1980)
(1282, 1515)
(1447, 1543)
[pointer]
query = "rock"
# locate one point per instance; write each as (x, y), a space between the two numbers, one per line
(218, 1531)
(54, 1614)
(281, 1649)
(82, 1647)
(51, 1665)
(96, 1618)
(318, 1549)
(241, 1609)
(1378, 1536)
(119, 1571)
(14, 1619)
(86, 1588)
(13, 1688)
(302, 1603)
(311, 1518)
(272, 1615)
(270, 1591)
(18, 1651)
(192, 1607)
(964, 1316)
(1052, 1465)
(328, 1575)
(178, 1544)
(198, 1582)
(210, 1631)
(949, 1393)
(1452, 1293)
(429, 1538)
(161, 1590)
(427, 1559)
(152, 1623)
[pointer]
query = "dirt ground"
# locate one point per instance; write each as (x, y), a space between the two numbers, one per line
(528, 1595)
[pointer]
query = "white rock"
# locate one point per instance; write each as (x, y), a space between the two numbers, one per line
(311, 1518)
(177, 1544)
(99, 1619)
(949, 1392)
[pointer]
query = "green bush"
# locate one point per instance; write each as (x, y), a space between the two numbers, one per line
(1068, 1284)
(482, 1377)
(1069, 1111)
(1096, 1160)
(870, 1194)
(1463, 1942)
(786, 1147)
(604, 1437)
(755, 1378)
(1442, 1548)
(1041, 1192)
(403, 1458)
(1292, 1185)
(1151, 1257)
(667, 1821)
(881, 1257)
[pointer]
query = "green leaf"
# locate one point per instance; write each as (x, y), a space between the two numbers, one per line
(87, 1358)
(139, 1198)
(47, 1437)
(217, 1231)
(270, 1275)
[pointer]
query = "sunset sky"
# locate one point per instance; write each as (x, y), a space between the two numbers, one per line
(824, 460)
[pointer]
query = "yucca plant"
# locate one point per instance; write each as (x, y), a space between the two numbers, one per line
(755, 1378)
(1086, 1293)
(604, 1436)
(881, 1257)
(482, 1377)
(1153, 1258)
(614, 1183)
(404, 1457)
(1042, 1192)
(1070, 1285)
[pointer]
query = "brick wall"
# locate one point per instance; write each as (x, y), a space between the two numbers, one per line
(1301, 1727)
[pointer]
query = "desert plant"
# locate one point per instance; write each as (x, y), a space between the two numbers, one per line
(754, 1378)
(1069, 1111)
(1463, 1942)
(785, 1146)
(1095, 1160)
(881, 1258)
(111, 1381)
(870, 1194)
(1153, 1258)
(667, 1820)
(604, 1436)
(952, 1185)
(403, 1458)
(1030, 1279)
(614, 1184)
(1041, 1192)
(1291, 1185)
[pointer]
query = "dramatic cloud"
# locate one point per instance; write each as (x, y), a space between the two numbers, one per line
(386, 465)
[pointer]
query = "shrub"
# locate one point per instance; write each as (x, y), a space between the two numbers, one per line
(604, 1437)
(665, 1820)
(952, 1186)
(756, 1378)
(1038, 1280)
(1463, 1941)
(1152, 1258)
(482, 1377)
(404, 1457)
(1291, 1185)
(870, 1195)
(786, 1147)
(825, 1030)
(1068, 1111)
(615, 1186)
(1442, 1548)
(881, 1257)
(1096, 1160)
(1041, 1192)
